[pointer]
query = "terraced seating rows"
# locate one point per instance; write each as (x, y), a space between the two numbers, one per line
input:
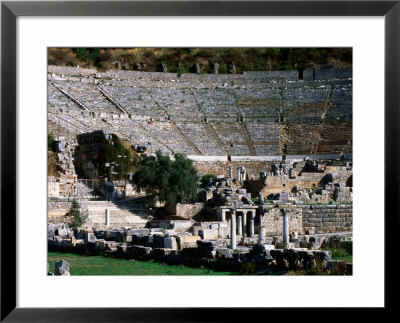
(91, 97)
(194, 131)
(206, 114)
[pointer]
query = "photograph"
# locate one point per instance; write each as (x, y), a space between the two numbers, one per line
(199, 161)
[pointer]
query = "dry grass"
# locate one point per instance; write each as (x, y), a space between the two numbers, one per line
(181, 60)
(52, 164)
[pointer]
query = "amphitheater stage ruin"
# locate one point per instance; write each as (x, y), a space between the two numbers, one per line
(279, 146)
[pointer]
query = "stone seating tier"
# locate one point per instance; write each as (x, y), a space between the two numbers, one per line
(207, 114)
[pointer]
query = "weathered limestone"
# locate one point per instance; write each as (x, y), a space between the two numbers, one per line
(285, 228)
(238, 173)
(170, 243)
(209, 234)
(89, 237)
(261, 236)
(233, 230)
(61, 268)
(216, 67)
(223, 215)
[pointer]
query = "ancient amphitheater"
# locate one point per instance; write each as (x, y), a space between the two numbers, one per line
(251, 114)
(279, 141)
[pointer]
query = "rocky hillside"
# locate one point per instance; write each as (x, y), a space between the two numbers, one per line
(203, 60)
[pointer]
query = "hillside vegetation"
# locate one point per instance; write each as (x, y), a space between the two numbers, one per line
(183, 60)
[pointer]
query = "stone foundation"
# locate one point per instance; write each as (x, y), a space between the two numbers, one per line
(327, 218)
(273, 221)
(253, 168)
(188, 211)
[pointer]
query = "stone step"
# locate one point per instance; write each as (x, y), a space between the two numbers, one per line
(113, 221)
(100, 208)
(117, 211)
(136, 217)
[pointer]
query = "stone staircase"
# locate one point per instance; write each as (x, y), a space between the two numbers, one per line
(70, 96)
(83, 191)
(125, 213)
(186, 139)
(214, 135)
(110, 99)
(249, 142)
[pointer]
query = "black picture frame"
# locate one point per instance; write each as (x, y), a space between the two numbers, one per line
(10, 10)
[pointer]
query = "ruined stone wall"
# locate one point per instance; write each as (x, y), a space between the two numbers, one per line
(277, 184)
(188, 211)
(327, 218)
(64, 183)
(328, 74)
(53, 187)
(253, 168)
(87, 152)
(273, 221)
(56, 210)
(274, 75)
(177, 225)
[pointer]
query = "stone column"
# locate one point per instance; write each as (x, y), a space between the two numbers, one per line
(223, 215)
(238, 173)
(253, 216)
(239, 225)
(261, 197)
(261, 236)
(260, 218)
(285, 228)
(245, 222)
(230, 172)
(251, 228)
(233, 230)
(107, 217)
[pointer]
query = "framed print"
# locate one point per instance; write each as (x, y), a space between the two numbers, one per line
(198, 153)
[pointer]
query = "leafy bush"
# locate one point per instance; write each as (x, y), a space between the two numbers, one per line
(206, 178)
(87, 54)
(78, 215)
(256, 200)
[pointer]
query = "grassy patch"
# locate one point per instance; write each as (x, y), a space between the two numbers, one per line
(99, 265)
(341, 254)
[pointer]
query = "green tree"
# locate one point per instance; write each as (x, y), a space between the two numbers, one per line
(78, 215)
(173, 181)
(87, 54)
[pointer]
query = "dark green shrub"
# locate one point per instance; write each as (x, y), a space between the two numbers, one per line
(248, 268)
(206, 178)
(78, 215)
